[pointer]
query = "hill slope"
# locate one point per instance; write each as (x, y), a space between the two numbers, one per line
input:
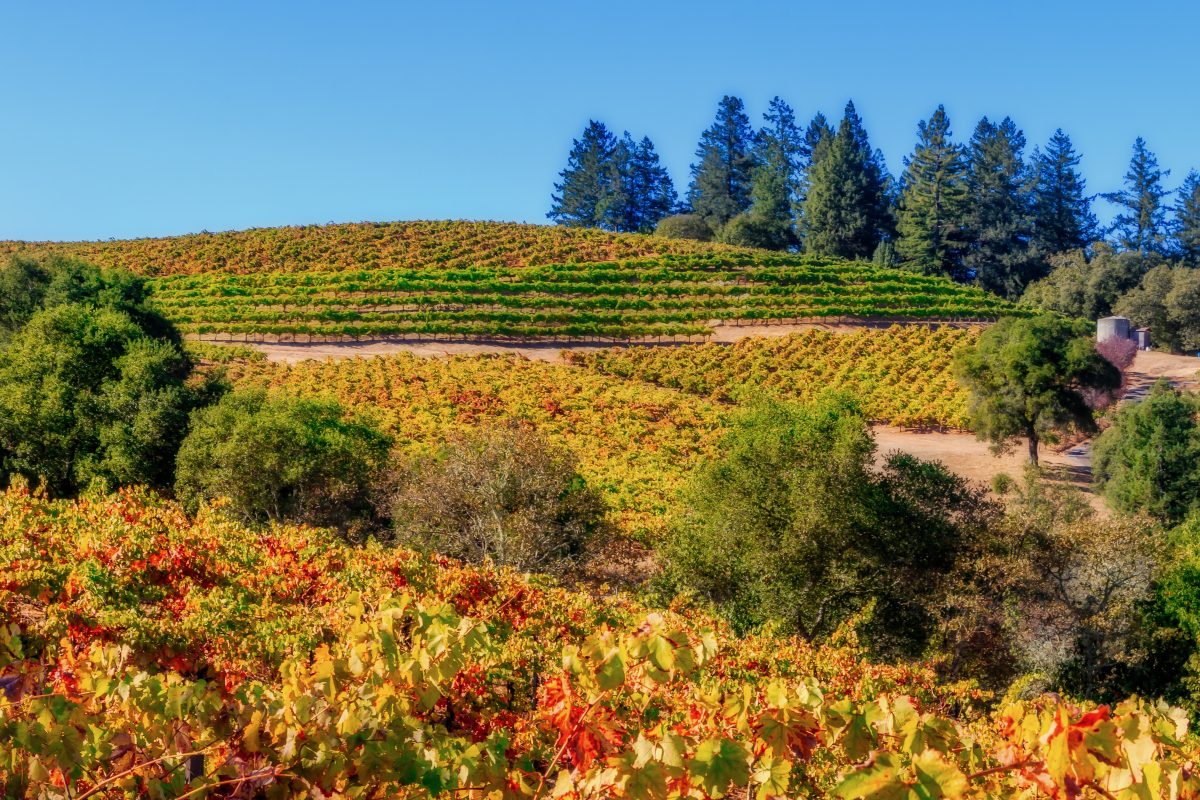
(497, 280)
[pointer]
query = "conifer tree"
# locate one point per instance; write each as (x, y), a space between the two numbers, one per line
(1141, 227)
(644, 192)
(933, 201)
(1062, 211)
(846, 211)
(1187, 220)
(721, 176)
(999, 255)
(775, 180)
(817, 137)
(588, 193)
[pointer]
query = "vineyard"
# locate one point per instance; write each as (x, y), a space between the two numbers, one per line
(365, 246)
(492, 280)
(901, 376)
(636, 443)
(148, 654)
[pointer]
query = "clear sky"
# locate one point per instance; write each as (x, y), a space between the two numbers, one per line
(124, 119)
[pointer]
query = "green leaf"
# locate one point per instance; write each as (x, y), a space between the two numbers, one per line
(938, 778)
(879, 779)
(773, 777)
(718, 763)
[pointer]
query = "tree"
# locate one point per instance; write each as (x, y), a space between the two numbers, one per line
(1141, 225)
(86, 396)
(504, 496)
(721, 176)
(684, 226)
(1062, 211)
(23, 285)
(587, 197)
(1027, 378)
(776, 179)
(1187, 219)
(998, 222)
(643, 192)
(933, 201)
(793, 525)
(1148, 461)
(846, 211)
(278, 458)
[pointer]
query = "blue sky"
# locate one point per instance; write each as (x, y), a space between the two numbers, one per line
(124, 119)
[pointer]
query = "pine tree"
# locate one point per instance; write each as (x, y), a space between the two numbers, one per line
(644, 192)
(817, 137)
(589, 189)
(721, 176)
(999, 255)
(775, 180)
(1187, 219)
(1141, 227)
(846, 212)
(1062, 211)
(933, 201)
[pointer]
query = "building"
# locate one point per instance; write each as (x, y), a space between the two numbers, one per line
(1119, 328)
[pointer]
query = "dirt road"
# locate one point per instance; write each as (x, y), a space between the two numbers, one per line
(537, 351)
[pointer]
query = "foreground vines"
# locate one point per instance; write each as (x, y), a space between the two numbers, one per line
(420, 679)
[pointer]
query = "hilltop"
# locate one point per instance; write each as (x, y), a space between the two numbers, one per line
(444, 244)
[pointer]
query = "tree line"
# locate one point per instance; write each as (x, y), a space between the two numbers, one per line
(979, 211)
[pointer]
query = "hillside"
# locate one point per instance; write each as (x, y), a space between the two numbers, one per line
(149, 654)
(498, 280)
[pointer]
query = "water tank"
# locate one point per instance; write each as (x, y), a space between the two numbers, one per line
(1112, 328)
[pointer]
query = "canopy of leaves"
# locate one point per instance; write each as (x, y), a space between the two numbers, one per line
(1167, 302)
(1086, 286)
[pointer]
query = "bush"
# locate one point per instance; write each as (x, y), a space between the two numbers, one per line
(503, 496)
(277, 458)
(749, 230)
(684, 226)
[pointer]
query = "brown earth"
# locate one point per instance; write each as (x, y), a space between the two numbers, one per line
(535, 351)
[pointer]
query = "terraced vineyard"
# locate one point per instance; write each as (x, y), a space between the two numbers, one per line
(496, 281)
(901, 376)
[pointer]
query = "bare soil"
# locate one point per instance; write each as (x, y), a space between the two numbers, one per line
(535, 351)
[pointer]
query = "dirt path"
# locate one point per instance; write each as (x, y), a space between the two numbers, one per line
(535, 351)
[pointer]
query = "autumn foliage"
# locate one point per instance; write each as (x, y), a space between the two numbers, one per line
(146, 654)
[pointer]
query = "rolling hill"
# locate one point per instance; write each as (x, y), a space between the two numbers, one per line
(481, 280)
